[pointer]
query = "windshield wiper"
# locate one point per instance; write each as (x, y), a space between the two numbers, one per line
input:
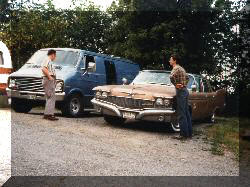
(152, 83)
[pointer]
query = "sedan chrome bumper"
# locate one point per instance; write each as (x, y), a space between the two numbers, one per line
(32, 95)
(147, 114)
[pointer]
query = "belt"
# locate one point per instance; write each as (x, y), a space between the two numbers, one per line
(50, 75)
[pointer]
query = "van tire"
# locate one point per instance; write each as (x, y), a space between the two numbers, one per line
(20, 106)
(113, 120)
(73, 106)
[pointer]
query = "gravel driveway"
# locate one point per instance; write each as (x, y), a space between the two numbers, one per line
(88, 146)
(5, 145)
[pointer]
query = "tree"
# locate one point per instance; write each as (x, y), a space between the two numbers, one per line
(34, 26)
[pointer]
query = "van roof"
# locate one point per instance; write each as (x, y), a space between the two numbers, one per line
(92, 53)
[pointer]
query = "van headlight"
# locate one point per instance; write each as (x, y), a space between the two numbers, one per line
(12, 83)
(59, 86)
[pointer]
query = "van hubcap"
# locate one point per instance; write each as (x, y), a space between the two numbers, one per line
(75, 105)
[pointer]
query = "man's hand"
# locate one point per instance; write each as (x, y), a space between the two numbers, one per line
(46, 72)
(178, 86)
(50, 78)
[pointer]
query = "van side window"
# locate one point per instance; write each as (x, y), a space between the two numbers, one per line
(110, 72)
(1, 58)
(90, 62)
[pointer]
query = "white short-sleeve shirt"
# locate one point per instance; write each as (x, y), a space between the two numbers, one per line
(48, 64)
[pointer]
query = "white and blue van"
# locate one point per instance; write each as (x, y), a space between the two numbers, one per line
(78, 72)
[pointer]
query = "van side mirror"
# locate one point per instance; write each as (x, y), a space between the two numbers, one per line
(91, 66)
(124, 81)
(194, 88)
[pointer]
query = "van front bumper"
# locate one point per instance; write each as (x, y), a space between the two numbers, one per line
(32, 95)
(160, 115)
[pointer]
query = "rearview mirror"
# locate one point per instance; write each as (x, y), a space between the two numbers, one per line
(194, 88)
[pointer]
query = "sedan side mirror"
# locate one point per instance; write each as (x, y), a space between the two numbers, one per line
(124, 81)
(194, 88)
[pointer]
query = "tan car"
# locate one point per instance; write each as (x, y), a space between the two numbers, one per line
(152, 97)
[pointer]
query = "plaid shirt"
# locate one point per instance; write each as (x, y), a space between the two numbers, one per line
(179, 76)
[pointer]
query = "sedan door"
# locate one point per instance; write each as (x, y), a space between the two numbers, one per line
(198, 100)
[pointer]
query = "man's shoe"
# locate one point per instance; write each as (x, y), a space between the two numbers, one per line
(54, 118)
(182, 138)
(50, 117)
(45, 116)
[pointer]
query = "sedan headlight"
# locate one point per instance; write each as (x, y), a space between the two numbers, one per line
(59, 86)
(98, 94)
(163, 103)
(104, 95)
(167, 103)
(159, 102)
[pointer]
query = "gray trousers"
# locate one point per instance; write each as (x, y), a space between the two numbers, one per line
(49, 89)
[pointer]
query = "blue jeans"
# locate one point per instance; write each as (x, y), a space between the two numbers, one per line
(183, 114)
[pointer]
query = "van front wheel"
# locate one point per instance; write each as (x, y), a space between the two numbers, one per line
(73, 106)
(20, 106)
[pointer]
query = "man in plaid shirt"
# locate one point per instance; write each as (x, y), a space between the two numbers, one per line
(179, 79)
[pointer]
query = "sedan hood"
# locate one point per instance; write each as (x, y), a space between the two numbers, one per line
(142, 91)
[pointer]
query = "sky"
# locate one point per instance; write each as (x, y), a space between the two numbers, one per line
(66, 3)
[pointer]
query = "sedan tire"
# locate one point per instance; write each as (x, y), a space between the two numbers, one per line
(113, 120)
(174, 126)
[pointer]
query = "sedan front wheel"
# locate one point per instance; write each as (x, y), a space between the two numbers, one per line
(174, 126)
(113, 120)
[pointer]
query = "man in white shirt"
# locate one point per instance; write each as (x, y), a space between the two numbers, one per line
(49, 84)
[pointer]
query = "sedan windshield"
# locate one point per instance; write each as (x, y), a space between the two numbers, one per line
(153, 78)
(63, 58)
(161, 78)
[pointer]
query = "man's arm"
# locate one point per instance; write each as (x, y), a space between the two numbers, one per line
(173, 77)
(46, 72)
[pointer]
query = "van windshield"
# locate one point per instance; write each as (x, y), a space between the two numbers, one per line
(63, 58)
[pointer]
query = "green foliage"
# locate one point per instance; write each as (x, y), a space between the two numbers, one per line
(144, 31)
(202, 36)
(224, 135)
(42, 26)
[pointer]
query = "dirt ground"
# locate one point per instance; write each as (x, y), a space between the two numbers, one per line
(87, 146)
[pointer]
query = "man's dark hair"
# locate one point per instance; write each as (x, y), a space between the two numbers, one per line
(176, 58)
(51, 52)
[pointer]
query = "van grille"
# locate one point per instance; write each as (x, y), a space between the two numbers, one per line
(131, 103)
(30, 84)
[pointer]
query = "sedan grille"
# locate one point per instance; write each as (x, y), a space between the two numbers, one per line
(131, 103)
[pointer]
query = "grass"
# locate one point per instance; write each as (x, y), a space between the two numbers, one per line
(244, 144)
(224, 135)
